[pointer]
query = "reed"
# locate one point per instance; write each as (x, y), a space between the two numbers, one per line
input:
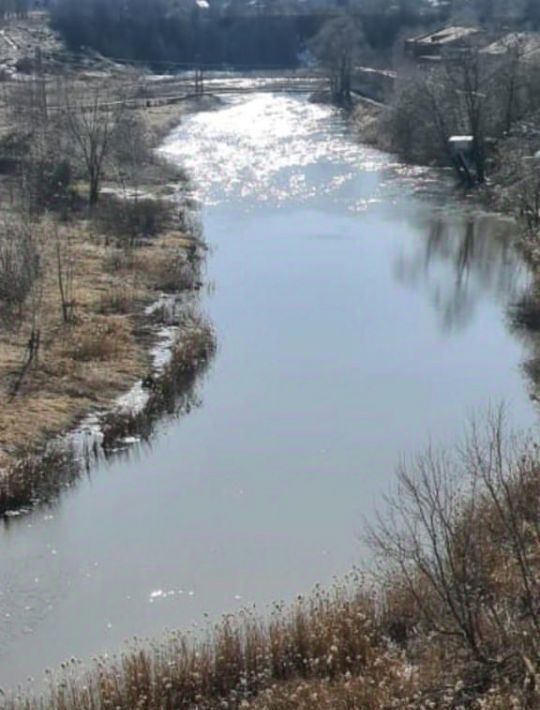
(37, 476)
(170, 391)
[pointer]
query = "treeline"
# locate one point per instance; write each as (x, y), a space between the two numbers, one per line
(159, 30)
(14, 8)
(155, 31)
(523, 14)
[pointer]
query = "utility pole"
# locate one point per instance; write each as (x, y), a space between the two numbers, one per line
(199, 77)
(41, 86)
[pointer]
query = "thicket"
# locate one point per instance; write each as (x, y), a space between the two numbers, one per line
(469, 92)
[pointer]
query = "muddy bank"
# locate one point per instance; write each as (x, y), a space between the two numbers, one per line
(101, 315)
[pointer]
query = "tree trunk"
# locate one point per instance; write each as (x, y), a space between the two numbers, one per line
(93, 195)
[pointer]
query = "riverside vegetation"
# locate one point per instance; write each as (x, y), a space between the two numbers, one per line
(447, 618)
(90, 238)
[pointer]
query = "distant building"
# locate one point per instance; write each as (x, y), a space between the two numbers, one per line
(434, 44)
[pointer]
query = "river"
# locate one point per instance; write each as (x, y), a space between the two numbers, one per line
(360, 311)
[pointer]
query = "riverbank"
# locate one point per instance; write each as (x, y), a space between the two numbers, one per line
(511, 188)
(96, 329)
(447, 621)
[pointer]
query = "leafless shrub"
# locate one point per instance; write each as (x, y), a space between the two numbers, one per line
(171, 391)
(421, 117)
(131, 146)
(14, 148)
(119, 260)
(46, 183)
(65, 273)
(118, 300)
(27, 103)
(461, 537)
(19, 263)
(127, 222)
(175, 273)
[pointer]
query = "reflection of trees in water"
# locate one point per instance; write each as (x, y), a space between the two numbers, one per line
(461, 259)
(525, 320)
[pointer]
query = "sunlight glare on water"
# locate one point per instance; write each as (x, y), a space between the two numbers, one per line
(240, 149)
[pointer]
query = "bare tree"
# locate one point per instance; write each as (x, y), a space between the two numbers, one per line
(461, 536)
(90, 119)
(338, 46)
(19, 265)
(419, 539)
(27, 103)
(511, 82)
(21, 287)
(470, 82)
(131, 152)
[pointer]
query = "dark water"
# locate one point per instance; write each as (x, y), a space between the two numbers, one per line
(359, 310)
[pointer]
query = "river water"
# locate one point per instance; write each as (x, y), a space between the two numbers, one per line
(360, 312)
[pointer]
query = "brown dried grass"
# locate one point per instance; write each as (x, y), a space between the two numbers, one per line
(86, 363)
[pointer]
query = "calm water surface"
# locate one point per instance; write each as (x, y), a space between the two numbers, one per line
(359, 312)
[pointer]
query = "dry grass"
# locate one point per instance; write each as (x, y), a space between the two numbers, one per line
(322, 637)
(85, 363)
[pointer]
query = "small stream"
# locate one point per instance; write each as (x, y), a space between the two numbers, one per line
(360, 311)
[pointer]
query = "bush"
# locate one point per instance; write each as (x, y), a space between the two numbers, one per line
(175, 273)
(47, 182)
(14, 148)
(129, 221)
(460, 540)
(19, 264)
(171, 391)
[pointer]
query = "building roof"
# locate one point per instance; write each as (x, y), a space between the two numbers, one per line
(445, 36)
